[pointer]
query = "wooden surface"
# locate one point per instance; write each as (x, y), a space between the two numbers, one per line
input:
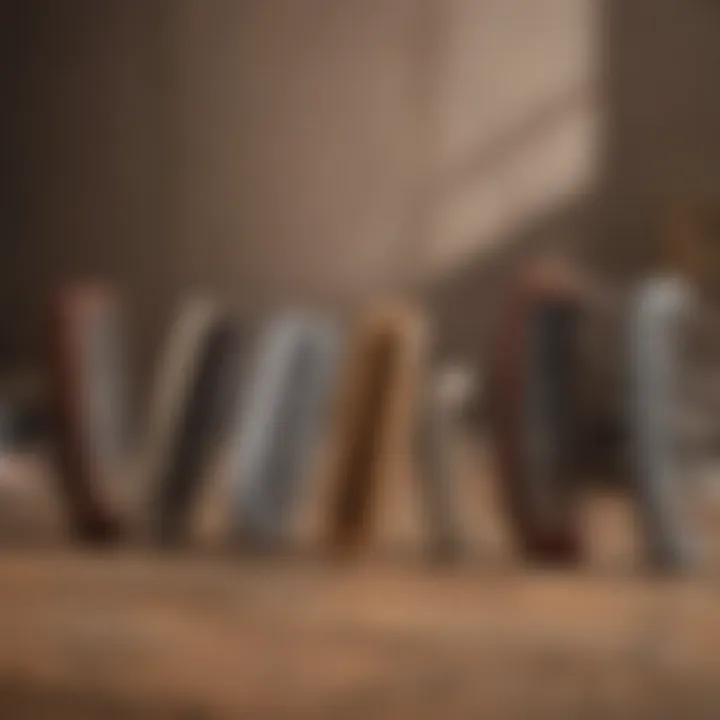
(198, 638)
(134, 633)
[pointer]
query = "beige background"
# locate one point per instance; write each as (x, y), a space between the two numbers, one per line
(275, 150)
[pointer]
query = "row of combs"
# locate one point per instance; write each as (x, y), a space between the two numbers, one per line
(300, 383)
(536, 415)
(366, 394)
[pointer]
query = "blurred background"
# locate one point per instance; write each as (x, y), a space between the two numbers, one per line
(271, 152)
(320, 150)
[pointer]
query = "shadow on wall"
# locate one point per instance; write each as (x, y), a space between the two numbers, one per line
(463, 302)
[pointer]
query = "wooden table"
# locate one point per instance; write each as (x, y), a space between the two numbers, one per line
(133, 633)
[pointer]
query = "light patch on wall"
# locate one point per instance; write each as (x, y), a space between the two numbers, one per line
(518, 124)
(534, 178)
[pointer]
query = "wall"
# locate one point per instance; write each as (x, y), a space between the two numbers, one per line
(661, 59)
(15, 264)
(270, 150)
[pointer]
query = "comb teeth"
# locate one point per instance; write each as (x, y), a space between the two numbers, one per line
(86, 406)
(656, 316)
(280, 424)
(532, 412)
(375, 418)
